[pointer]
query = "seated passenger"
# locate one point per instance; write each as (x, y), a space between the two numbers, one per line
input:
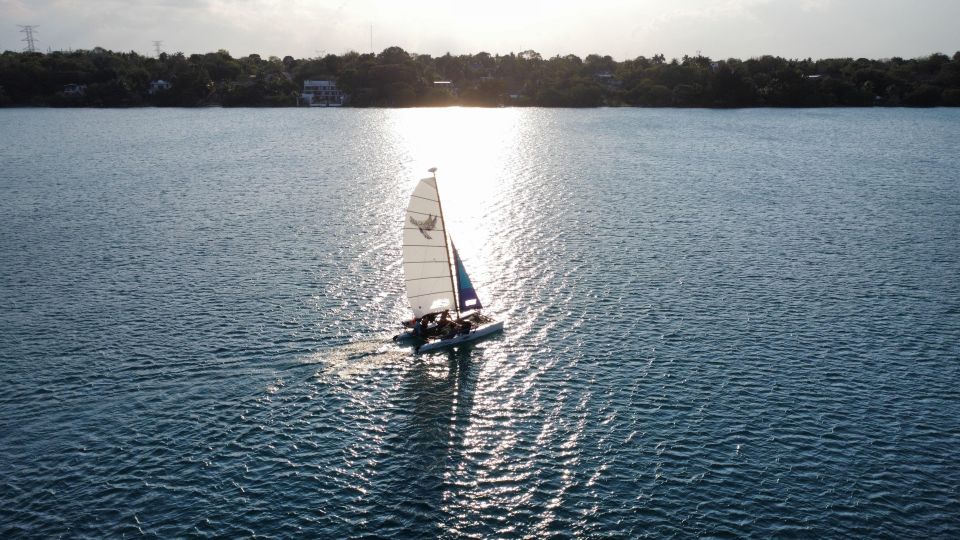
(449, 330)
(420, 328)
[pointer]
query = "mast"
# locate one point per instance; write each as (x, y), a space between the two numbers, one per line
(446, 246)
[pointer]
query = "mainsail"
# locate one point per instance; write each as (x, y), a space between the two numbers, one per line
(468, 295)
(426, 260)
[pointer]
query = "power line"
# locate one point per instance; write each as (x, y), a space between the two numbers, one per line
(31, 41)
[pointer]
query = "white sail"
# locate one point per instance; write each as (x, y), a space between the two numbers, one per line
(426, 261)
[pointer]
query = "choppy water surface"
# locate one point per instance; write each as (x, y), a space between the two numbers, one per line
(720, 323)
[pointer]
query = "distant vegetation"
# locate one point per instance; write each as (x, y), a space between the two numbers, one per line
(396, 78)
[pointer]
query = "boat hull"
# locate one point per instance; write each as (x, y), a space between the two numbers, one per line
(408, 336)
(475, 334)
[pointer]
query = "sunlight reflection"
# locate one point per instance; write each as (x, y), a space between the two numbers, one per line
(356, 359)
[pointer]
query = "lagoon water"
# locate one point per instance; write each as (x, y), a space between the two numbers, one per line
(719, 323)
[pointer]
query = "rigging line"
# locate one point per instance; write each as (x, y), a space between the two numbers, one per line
(424, 245)
(421, 213)
(424, 198)
(430, 294)
(422, 278)
(446, 248)
(418, 228)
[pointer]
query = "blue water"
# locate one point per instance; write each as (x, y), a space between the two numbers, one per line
(719, 323)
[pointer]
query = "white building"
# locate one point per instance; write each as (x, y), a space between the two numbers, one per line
(448, 86)
(159, 85)
(74, 89)
(322, 94)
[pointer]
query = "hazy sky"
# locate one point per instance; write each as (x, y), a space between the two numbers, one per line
(620, 28)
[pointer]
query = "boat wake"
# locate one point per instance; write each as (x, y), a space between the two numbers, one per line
(357, 358)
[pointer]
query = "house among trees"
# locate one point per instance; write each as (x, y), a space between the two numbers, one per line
(322, 94)
(607, 80)
(159, 85)
(74, 89)
(446, 85)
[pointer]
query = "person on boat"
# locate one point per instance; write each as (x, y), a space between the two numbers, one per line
(446, 327)
(444, 320)
(426, 329)
(417, 328)
(420, 327)
(451, 329)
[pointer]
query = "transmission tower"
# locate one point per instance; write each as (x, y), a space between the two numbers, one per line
(156, 46)
(31, 41)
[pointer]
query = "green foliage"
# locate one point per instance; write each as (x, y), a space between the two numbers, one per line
(925, 95)
(437, 97)
(398, 78)
(488, 93)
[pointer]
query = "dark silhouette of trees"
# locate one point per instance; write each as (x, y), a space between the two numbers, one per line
(397, 78)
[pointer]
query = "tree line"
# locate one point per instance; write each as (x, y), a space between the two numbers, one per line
(397, 78)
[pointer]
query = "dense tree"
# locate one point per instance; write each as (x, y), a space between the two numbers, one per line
(397, 78)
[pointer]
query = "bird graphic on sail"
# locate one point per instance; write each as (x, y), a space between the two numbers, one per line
(424, 225)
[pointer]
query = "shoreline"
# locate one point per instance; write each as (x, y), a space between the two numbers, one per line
(395, 78)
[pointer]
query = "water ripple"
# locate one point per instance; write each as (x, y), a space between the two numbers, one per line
(715, 327)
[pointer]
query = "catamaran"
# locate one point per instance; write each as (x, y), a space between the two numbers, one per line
(437, 285)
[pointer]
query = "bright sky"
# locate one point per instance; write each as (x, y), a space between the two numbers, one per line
(620, 28)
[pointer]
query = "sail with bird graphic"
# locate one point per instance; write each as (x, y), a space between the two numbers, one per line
(434, 283)
(426, 261)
